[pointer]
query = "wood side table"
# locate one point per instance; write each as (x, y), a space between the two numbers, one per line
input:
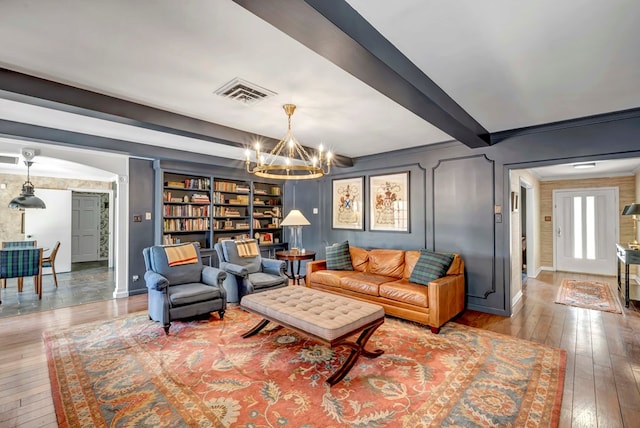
(292, 257)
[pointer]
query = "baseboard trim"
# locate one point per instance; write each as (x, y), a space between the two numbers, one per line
(516, 303)
(120, 294)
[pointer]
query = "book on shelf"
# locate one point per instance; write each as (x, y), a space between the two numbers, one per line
(199, 198)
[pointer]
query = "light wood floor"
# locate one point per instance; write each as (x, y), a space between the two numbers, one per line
(602, 387)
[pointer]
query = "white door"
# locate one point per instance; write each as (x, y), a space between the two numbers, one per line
(586, 230)
(85, 233)
(52, 224)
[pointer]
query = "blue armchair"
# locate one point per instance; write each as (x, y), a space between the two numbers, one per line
(182, 291)
(248, 275)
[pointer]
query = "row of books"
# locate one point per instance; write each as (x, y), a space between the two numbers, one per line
(274, 224)
(227, 186)
(196, 198)
(169, 239)
(228, 212)
(186, 211)
(273, 191)
(186, 224)
(230, 225)
(190, 183)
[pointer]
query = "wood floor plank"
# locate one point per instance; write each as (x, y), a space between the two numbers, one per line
(607, 405)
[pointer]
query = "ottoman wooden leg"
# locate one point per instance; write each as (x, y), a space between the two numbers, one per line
(256, 329)
(357, 348)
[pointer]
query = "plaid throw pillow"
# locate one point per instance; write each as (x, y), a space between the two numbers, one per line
(430, 266)
(338, 257)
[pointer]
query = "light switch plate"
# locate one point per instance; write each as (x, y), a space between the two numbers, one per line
(147, 216)
(315, 211)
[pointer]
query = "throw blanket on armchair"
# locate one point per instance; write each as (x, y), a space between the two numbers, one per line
(248, 248)
(181, 254)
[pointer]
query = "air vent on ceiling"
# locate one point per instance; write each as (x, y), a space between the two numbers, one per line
(245, 92)
(9, 159)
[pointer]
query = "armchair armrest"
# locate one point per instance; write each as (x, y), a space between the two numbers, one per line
(234, 269)
(155, 281)
(274, 267)
(213, 276)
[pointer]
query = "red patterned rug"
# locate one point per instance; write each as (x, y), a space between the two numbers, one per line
(588, 294)
(126, 372)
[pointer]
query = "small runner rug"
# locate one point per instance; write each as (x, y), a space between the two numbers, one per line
(126, 372)
(588, 294)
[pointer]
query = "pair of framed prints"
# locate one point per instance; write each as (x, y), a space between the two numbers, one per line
(388, 203)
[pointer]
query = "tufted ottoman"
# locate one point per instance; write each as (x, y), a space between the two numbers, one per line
(328, 318)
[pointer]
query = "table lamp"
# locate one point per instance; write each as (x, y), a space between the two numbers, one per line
(295, 220)
(633, 210)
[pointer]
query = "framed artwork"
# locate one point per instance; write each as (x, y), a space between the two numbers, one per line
(515, 202)
(347, 203)
(389, 202)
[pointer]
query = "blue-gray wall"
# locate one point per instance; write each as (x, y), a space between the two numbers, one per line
(454, 190)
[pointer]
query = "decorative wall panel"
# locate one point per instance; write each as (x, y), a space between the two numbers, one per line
(463, 213)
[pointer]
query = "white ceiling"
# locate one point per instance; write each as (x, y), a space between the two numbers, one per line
(508, 64)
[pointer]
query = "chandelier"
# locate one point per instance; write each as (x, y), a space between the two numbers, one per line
(298, 163)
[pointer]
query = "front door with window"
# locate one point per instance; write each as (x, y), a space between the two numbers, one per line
(586, 230)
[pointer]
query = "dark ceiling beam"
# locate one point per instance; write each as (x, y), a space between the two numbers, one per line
(336, 31)
(42, 134)
(46, 93)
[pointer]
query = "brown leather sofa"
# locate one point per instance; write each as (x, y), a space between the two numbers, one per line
(382, 276)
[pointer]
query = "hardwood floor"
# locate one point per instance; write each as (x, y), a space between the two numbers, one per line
(602, 385)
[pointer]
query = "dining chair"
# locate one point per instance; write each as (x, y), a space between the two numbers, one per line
(22, 262)
(50, 261)
(18, 244)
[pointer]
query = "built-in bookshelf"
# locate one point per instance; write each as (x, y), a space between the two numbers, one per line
(208, 209)
(231, 209)
(267, 212)
(186, 209)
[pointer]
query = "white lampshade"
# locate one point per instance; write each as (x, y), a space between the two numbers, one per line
(295, 218)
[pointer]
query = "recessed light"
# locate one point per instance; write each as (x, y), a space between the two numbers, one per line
(584, 165)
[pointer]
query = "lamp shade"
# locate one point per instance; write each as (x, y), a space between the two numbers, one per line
(295, 218)
(633, 209)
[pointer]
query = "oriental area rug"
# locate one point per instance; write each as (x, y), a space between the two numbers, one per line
(588, 294)
(126, 372)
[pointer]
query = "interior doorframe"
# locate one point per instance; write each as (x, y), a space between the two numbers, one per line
(111, 214)
(529, 232)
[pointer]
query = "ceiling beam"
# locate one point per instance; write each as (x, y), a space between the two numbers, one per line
(49, 94)
(336, 31)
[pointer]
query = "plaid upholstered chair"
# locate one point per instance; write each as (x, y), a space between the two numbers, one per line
(180, 286)
(17, 244)
(248, 271)
(21, 263)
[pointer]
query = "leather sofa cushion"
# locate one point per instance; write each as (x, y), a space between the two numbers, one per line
(329, 277)
(359, 258)
(406, 292)
(363, 282)
(386, 262)
(410, 259)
